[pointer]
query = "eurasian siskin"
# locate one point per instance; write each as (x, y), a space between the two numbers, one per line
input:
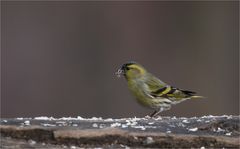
(150, 91)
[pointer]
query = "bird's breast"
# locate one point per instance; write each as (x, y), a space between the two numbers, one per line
(138, 89)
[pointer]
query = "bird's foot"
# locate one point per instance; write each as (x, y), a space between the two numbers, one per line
(147, 117)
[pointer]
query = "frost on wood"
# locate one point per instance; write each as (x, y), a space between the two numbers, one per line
(49, 132)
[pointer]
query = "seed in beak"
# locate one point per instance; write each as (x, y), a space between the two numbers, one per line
(119, 73)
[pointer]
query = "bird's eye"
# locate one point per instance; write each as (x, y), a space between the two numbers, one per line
(127, 68)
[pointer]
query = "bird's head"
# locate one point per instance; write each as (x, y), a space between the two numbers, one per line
(131, 70)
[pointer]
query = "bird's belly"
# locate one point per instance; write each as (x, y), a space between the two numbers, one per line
(145, 101)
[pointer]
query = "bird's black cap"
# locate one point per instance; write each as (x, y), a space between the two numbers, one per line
(127, 64)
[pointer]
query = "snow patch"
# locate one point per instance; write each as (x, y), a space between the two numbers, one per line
(139, 127)
(60, 122)
(95, 119)
(131, 122)
(116, 124)
(158, 118)
(67, 118)
(27, 123)
(220, 130)
(228, 134)
(102, 126)
(150, 123)
(95, 125)
(48, 125)
(109, 120)
(193, 129)
(124, 126)
(185, 121)
(169, 131)
(44, 118)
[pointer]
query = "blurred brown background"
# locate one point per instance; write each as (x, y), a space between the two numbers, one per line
(59, 58)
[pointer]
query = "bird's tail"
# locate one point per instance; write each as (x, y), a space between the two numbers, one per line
(192, 94)
(197, 97)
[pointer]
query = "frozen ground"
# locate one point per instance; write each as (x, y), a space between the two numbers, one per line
(206, 131)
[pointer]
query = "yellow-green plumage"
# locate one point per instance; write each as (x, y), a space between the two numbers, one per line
(150, 91)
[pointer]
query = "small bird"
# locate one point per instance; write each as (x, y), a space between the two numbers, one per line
(150, 91)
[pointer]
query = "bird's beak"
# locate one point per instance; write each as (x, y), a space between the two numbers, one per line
(120, 72)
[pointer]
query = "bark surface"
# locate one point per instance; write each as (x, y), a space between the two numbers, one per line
(164, 132)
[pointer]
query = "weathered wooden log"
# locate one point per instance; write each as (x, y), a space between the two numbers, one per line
(164, 132)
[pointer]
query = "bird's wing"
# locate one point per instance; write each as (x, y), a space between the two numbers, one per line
(172, 93)
(154, 83)
(157, 88)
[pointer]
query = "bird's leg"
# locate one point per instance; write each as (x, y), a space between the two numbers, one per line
(150, 115)
(154, 113)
